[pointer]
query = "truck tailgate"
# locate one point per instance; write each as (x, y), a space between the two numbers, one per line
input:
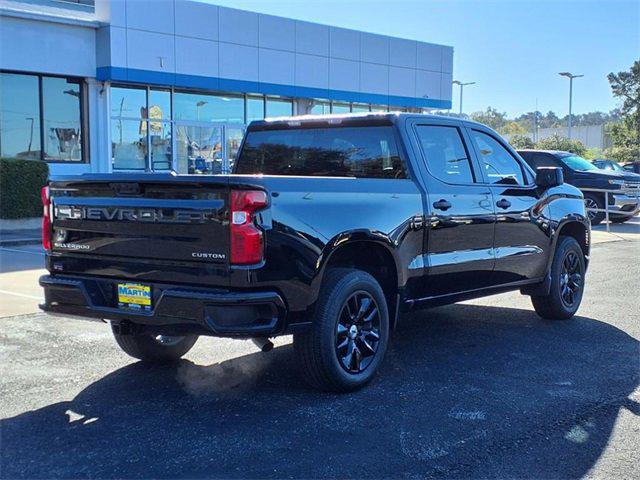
(142, 217)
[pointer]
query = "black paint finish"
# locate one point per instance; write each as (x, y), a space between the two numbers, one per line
(445, 241)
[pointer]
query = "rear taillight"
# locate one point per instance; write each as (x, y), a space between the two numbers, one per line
(247, 245)
(46, 218)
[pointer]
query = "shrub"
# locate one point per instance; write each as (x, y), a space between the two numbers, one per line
(556, 142)
(593, 154)
(623, 154)
(521, 141)
(20, 184)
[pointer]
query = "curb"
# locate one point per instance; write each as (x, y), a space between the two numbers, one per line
(14, 242)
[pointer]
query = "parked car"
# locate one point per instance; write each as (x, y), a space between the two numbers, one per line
(330, 228)
(605, 164)
(633, 167)
(624, 187)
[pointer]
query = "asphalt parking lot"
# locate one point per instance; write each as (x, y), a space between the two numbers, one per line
(483, 389)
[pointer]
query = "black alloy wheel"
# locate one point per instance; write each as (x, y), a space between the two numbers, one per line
(570, 279)
(357, 332)
(567, 275)
(349, 333)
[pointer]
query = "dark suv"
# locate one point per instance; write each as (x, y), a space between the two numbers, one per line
(330, 229)
(622, 188)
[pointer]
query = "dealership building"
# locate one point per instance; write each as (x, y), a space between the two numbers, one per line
(154, 85)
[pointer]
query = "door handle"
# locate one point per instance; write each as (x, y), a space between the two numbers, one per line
(442, 204)
(503, 203)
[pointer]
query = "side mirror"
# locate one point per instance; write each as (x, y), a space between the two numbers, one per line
(547, 177)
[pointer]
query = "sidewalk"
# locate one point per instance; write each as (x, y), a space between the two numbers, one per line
(628, 231)
(23, 231)
(12, 238)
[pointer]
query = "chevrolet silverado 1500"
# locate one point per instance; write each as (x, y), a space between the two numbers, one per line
(330, 228)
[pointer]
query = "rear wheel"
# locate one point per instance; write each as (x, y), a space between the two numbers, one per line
(567, 282)
(155, 348)
(594, 201)
(349, 333)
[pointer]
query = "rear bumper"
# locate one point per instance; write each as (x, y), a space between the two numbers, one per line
(203, 311)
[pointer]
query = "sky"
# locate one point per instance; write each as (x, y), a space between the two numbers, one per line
(512, 49)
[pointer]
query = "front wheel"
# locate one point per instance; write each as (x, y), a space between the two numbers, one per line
(349, 333)
(155, 348)
(567, 282)
(593, 201)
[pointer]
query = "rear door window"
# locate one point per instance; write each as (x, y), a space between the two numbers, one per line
(445, 153)
(363, 152)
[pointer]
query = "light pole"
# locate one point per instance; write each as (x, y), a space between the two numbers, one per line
(462, 85)
(30, 134)
(201, 103)
(570, 76)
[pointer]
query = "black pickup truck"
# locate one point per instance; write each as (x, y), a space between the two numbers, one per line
(330, 228)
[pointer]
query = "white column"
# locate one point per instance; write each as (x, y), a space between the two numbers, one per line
(99, 126)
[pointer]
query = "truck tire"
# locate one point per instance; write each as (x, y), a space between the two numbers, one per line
(592, 200)
(155, 348)
(567, 282)
(349, 333)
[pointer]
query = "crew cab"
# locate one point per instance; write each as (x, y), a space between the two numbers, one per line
(620, 188)
(330, 228)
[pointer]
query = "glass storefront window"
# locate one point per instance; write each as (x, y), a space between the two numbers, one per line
(199, 149)
(233, 137)
(128, 144)
(208, 108)
(128, 102)
(160, 145)
(278, 107)
(229, 109)
(340, 108)
(61, 108)
(19, 116)
(360, 107)
(41, 117)
(160, 104)
(255, 108)
(320, 108)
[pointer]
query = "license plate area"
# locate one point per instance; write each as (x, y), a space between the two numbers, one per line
(134, 296)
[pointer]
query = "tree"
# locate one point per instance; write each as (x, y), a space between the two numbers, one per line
(491, 117)
(626, 134)
(521, 141)
(556, 142)
(512, 128)
(626, 85)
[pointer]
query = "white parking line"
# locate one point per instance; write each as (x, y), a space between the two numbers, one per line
(23, 295)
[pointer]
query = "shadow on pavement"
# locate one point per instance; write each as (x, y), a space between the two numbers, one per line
(471, 392)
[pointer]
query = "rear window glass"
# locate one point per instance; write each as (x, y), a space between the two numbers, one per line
(366, 152)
